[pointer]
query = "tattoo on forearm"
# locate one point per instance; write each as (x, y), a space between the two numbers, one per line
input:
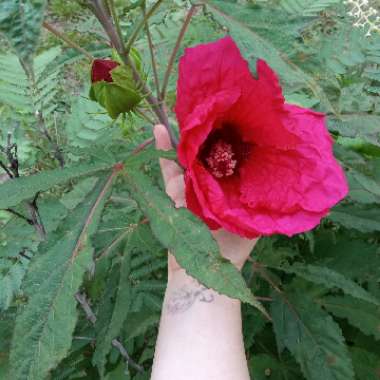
(183, 299)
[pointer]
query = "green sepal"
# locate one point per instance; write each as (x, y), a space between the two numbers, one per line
(122, 95)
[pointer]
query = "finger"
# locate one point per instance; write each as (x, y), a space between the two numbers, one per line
(169, 168)
(175, 188)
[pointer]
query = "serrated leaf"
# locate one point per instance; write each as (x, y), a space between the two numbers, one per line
(189, 240)
(364, 126)
(264, 367)
(11, 275)
(312, 336)
(356, 259)
(363, 315)
(362, 218)
(330, 279)
(363, 188)
(71, 199)
(150, 154)
(140, 322)
(44, 327)
(20, 22)
(119, 310)
(19, 189)
(366, 364)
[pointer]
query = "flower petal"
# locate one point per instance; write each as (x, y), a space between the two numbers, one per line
(305, 178)
(205, 70)
(259, 113)
(201, 121)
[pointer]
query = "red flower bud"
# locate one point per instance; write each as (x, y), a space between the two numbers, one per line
(101, 70)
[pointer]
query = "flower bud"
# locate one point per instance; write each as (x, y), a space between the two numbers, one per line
(113, 85)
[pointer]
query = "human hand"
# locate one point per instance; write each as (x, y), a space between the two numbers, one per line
(231, 246)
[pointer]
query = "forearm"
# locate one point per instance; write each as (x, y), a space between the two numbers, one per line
(200, 334)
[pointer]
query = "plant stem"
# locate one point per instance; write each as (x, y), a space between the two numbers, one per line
(141, 24)
(64, 38)
(176, 48)
(104, 18)
(6, 170)
(142, 146)
(152, 57)
(82, 300)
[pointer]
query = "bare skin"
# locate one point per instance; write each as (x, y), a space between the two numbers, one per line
(200, 336)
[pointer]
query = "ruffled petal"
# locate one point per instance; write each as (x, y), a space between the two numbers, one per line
(201, 121)
(259, 113)
(193, 204)
(205, 70)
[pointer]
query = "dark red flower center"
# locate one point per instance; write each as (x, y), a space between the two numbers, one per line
(224, 151)
(101, 70)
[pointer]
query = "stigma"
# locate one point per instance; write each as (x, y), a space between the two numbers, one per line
(221, 159)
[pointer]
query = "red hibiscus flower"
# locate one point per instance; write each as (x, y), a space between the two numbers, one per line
(101, 70)
(254, 165)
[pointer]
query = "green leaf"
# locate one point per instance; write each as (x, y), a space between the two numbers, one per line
(330, 279)
(140, 322)
(308, 8)
(312, 336)
(363, 315)
(363, 188)
(122, 294)
(11, 276)
(189, 240)
(119, 373)
(366, 364)
(71, 199)
(356, 259)
(264, 367)
(19, 189)
(44, 327)
(361, 218)
(24, 94)
(149, 154)
(363, 126)
(20, 22)
(86, 122)
(234, 17)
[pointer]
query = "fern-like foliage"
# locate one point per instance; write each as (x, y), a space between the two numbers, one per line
(25, 94)
(307, 8)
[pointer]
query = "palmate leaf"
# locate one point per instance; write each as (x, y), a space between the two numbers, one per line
(44, 327)
(233, 16)
(19, 189)
(189, 240)
(20, 22)
(362, 315)
(330, 279)
(312, 336)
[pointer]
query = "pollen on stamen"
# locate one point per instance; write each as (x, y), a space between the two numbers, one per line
(220, 159)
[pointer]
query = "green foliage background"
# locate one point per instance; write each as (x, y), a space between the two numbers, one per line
(320, 288)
